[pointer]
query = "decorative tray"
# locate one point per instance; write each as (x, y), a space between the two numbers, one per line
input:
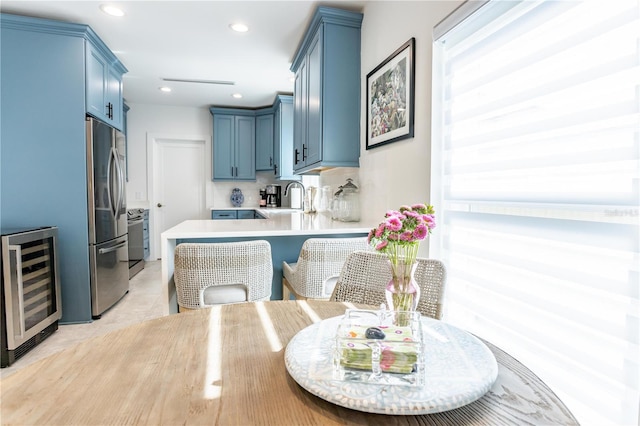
(458, 369)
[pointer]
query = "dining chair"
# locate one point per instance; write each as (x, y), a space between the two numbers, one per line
(315, 273)
(208, 274)
(366, 274)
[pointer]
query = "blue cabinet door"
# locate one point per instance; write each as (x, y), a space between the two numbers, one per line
(246, 214)
(103, 87)
(312, 151)
(245, 146)
(264, 142)
(113, 97)
(300, 115)
(223, 214)
(223, 146)
(283, 138)
(96, 67)
(277, 144)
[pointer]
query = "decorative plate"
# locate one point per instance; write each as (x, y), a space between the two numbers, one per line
(459, 370)
(236, 197)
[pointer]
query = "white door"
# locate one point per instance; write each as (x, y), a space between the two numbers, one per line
(179, 184)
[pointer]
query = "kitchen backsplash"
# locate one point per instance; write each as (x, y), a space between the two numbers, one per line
(219, 193)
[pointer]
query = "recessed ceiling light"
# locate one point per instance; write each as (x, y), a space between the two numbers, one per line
(237, 95)
(241, 28)
(111, 10)
(165, 89)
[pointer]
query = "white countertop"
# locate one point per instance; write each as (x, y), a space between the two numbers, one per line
(279, 222)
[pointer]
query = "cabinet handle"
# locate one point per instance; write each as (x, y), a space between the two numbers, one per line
(275, 169)
(296, 161)
(304, 152)
(270, 161)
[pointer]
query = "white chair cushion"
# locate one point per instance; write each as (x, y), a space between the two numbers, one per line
(230, 293)
(329, 284)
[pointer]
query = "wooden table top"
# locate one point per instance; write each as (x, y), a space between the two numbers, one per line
(225, 366)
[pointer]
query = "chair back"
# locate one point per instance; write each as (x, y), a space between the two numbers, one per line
(321, 259)
(213, 273)
(365, 275)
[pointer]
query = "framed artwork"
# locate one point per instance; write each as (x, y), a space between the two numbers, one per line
(390, 98)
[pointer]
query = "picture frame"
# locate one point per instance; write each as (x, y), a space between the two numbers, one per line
(391, 98)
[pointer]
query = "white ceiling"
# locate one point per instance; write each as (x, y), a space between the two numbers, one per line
(192, 40)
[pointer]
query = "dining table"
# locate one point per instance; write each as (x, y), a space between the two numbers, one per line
(225, 365)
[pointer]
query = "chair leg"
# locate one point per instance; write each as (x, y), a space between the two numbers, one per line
(287, 291)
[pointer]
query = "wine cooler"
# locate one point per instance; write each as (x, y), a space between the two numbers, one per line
(30, 307)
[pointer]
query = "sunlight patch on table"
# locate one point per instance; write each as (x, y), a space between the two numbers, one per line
(213, 372)
(309, 311)
(269, 329)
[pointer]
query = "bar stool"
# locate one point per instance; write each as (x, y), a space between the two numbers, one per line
(215, 273)
(315, 273)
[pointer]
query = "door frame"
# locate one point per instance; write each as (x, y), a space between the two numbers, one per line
(153, 145)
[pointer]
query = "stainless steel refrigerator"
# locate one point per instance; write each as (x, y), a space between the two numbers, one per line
(108, 249)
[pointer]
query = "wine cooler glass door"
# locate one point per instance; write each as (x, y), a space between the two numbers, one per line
(31, 284)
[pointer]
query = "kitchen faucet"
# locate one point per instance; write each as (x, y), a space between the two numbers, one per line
(290, 184)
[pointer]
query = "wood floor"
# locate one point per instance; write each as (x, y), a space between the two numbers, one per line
(143, 302)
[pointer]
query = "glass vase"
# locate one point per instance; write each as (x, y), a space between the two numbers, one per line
(402, 292)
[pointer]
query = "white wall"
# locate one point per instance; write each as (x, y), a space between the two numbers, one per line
(144, 119)
(170, 122)
(399, 173)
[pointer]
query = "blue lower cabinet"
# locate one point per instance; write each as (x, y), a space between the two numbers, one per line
(246, 214)
(223, 214)
(234, 214)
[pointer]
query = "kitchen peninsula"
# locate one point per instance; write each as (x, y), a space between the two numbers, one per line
(285, 229)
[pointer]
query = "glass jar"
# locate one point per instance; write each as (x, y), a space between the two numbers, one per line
(350, 210)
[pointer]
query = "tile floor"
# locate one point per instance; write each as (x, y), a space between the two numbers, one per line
(143, 302)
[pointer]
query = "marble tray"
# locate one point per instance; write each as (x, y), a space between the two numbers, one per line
(459, 370)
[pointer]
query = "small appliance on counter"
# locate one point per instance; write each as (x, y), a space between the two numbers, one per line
(30, 294)
(274, 198)
(263, 198)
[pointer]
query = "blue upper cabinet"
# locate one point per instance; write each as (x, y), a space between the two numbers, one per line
(326, 104)
(234, 144)
(104, 84)
(264, 139)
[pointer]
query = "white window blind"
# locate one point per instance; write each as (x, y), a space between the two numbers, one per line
(536, 160)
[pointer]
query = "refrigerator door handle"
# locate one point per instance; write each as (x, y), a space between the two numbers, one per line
(112, 248)
(110, 189)
(120, 182)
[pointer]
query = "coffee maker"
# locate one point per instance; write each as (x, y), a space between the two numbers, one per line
(274, 198)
